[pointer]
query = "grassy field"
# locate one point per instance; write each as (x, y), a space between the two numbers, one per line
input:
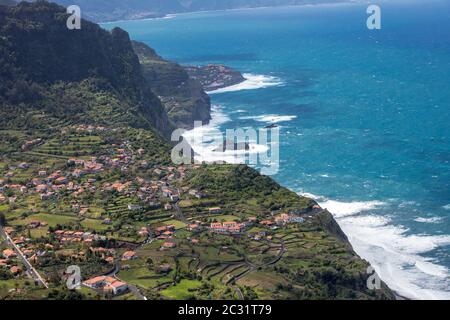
(143, 277)
(94, 224)
(181, 290)
(51, 219)
(225, 217)
(177, 223)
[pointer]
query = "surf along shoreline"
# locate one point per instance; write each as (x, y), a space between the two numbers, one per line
(251, 84)
(219, 117)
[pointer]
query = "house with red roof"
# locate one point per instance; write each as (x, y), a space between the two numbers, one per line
(106, 284)
(169, 245)
(129, 255)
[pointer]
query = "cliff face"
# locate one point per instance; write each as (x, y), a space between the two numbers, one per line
(40, 57)
(183, 97)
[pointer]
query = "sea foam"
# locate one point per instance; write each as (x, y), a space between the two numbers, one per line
(205, 150)
(429, 220)
(252, 82)
(270, 118)
(395, 254)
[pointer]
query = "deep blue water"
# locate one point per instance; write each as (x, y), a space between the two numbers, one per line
(368, 133)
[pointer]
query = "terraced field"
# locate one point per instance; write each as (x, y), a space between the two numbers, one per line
(71, 146)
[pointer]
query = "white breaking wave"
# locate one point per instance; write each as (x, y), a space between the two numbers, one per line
(429, 220)
(446, 207)
(395, 254)
(270, 118)
(204, 147)
(252, 82)
(342, 209)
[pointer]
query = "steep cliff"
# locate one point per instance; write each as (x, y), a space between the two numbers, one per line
(70, 75)
(183, 97)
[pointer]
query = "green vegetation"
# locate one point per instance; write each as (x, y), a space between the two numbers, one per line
(183, 290)
(85, 177)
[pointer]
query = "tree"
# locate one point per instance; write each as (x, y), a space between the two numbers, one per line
(149, 262)
(2, 219)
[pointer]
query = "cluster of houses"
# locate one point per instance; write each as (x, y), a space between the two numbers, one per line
(164, 232)
(36, 224)
(233, 227)
(285, 218)
(228, 227)
(149, 193)
(107, 254)
(8, 261)
(281, 220)
(71, 236)
(88, 128)
(26, 247)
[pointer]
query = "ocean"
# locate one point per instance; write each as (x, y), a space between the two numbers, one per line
(364, 116)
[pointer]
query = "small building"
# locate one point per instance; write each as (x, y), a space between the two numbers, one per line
(107, 284)
(143, 232)
(24, 165)
(15, 270)
(169, 245)
(134, 207)
(266, 223)
(167, 192)
(215, 210)
(129, 255)
(110, 260)
(34, 224)
(9, 254)
(193, 227)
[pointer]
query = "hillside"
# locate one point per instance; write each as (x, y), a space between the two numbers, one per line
(63, 76)
(110, 10)
(86, 179)
(183, 97)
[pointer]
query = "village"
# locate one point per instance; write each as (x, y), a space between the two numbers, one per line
(102, 210)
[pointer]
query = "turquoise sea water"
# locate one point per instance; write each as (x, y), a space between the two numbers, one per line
(364, 116)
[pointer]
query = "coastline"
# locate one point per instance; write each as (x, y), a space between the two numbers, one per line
(187, 13)
(218, 117)
(390, 227)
